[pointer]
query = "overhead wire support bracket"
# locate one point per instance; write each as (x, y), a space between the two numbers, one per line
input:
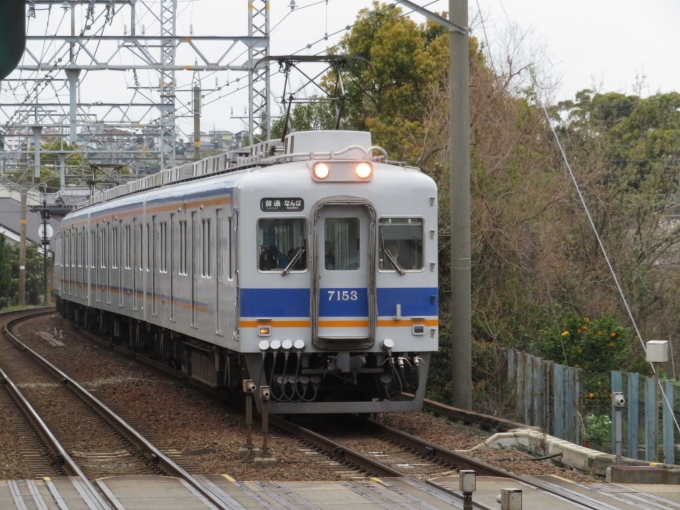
(289, 62)
(435, 17)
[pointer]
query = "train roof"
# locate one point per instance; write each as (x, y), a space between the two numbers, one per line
(299, 146)
(206, 174)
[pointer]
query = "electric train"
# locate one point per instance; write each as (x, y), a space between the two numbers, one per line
(308, 265)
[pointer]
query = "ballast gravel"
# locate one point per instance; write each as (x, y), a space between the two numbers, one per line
(209, 435)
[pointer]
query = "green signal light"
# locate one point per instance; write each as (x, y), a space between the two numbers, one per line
(12, 34)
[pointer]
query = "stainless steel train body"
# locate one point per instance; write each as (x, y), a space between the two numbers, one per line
(257, 265)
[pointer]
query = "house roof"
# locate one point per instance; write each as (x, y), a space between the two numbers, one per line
(10, 219)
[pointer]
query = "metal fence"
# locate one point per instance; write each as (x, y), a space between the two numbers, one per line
(553, 397)
(547, 395)
(642, 414)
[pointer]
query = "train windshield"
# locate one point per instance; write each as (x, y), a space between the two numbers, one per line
(403, 239)
(281, 241)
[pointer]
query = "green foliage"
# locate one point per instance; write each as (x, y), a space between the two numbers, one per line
(49, 164)
(34, 273)
(9, 274)
(310, 116)
(598, 430)
(6, 283)
(388, 98)
(599, 345)
(536, 264)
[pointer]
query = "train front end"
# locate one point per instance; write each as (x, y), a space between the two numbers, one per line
(338, 298)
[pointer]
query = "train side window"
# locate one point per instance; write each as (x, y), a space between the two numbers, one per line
(403, 239)
(279, 241)
(220, 244)
(205, 269)
(140, 248)
(341, 244)
(128, 247)
(114, 247)
(183, 247)
(230, 250)
(164, 247)
(148, 247)
(100, 245)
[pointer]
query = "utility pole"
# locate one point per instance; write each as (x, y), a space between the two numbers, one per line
(197, 122)
(22, 252)
(459, 158)
(459, 154)
(37, 131)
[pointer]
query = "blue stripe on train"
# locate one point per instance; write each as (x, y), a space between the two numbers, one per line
(268, 303)
(415, 302)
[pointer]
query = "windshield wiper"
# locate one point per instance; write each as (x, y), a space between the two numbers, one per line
(292, 262)
(394, 262)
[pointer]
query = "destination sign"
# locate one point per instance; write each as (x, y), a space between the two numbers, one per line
(282, 204)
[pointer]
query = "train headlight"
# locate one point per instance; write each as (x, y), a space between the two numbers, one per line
(321, 170)
(275, 345)
(363, 170)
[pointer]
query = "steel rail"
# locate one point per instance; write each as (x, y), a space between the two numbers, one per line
(434, 451)
(341, 452)
(113, 419)
(352, 456)
(334, 450)
(41, 428)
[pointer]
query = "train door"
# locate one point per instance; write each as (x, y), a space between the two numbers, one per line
(108, 260)
(78, 262)
(344, 312)
(136, 241)
(98, 262)
(221, 261)
(173, 268)
(153, 239)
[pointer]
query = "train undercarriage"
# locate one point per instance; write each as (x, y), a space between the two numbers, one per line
(300, 383)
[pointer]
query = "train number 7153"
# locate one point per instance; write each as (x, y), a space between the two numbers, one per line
(342, 295)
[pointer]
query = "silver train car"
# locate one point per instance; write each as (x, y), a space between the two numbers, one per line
(308, 265)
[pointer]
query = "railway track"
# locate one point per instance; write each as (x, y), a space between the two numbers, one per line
(75, 425)
(387, 452)
(378, 450)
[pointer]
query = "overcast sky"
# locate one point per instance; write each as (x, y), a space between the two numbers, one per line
(602, 42)
(606, 42)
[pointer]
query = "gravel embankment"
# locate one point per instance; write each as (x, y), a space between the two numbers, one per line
(184, 419)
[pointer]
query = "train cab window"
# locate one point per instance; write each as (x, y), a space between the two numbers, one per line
(401, 244)
(341, 244)
(282, 242)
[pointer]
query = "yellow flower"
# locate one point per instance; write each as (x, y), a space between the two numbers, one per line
(565, 333)
(599, 333)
